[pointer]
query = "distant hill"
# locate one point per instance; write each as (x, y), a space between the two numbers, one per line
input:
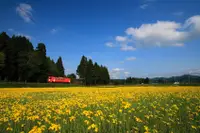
(183, 79)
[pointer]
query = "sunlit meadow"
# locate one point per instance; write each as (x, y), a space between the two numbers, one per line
(99, 109)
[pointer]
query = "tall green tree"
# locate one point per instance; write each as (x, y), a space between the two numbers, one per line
(52, 68)
(90, 72)
(34, 63)
(10, 61)
(23, 47)
(4, 39)
(82, 68)
(2, 63)
(19, 61)
(60, 67)
(43, 66)
(106, 76)
(96, 75)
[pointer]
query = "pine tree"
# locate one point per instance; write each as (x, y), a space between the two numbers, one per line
(82, 69)
(60, 67)
(90, 71)
(43, 66)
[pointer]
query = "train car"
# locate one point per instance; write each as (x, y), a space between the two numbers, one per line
(53, 79)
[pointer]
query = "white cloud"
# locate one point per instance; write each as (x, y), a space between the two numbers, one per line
(131, 58)
(144, 6)
(127, 48)
(126, 74)
(180, 13)
(158, 34)
(193, 23)
(121, 38)
(165, 33)
(24, 10)
(109, 44)
(123, 41)
(115, 73)
(117, 69)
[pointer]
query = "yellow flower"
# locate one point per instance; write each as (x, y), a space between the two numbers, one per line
(35, 129)
(93, 126)
(120, 110)
(9, 129)
(72, 118)
(68, 111)
(54, 127)
(175, 107)
(194, 127)
(96, 129)
(87, 122)
(22, 125)
(146, 128)
(138, 119)
(126, 105)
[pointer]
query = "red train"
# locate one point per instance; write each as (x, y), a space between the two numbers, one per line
(52, 79)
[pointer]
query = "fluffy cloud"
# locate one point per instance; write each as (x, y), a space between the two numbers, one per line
(165, 33)
(158, 34)
(115, 73)
(117, 69)
(123, 41)
(24, 11)
(126, 74)
(109, 44)
(193, 24)
(126, 47)
(120, 39)
(131, 58)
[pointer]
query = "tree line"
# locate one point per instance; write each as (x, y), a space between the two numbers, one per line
(130, 81)
(134, 80)
(92, 73)
(20, 61)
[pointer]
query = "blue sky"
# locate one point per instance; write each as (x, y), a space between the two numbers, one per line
(131, 37)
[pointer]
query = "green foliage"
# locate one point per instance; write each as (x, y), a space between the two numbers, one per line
(92, 74)
(2, 60)
(72, 76)
(183, 79)
(133, 80)
(82, 68)
(60, 67)
(53, 70)
(19, 61)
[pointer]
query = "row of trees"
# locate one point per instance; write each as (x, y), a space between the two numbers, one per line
(130, 81)
(19, 61)
(133, 80)
(92, 73)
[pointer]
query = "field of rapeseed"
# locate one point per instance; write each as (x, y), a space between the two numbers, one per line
(104, 110)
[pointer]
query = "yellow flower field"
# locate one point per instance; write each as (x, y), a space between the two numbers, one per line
(100, 109)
